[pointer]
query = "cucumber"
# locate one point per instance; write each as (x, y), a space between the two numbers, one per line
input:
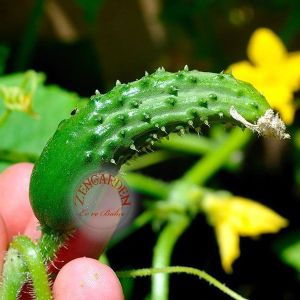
(114, 126)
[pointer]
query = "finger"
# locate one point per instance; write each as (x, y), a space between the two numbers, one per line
(32, 228)
(78, 245)
(3, 242)
(14, 197)
(86, 278)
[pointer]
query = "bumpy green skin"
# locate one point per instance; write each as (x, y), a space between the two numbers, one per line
(131, 116)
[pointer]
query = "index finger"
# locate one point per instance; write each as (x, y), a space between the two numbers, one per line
(14, 198)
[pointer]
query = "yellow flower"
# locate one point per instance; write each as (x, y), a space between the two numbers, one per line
(272, 70)
(233, 217)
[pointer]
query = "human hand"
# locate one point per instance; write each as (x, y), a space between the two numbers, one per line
(81, 277)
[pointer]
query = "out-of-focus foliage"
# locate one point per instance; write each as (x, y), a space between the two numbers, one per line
(4, 52)
(25, 134)
(90, 8)
(19, 98)
(288, 249)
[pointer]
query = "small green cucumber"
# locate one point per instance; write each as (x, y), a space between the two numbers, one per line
(114, 126)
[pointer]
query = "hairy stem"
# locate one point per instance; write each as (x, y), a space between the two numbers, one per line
(162, 255)
(14, 275)
(34, 262)
(26, 260)
(51, 240)
(182, 270)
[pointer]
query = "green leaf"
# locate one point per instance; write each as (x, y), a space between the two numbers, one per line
(22, 133)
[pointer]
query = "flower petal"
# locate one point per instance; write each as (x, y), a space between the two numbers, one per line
(265, 48)
(250, 218)
(287, 112)
(293, 70)
(243, 70)
(232, 217)
(280, 98)
(228, 241)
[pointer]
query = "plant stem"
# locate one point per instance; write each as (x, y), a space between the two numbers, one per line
(50, 242)
(14, 275)
(147, 160)
(35, 265)
(186, 270)
(31, 263)
(162, 255)
(190, 144)
(138, 223)
(147, 185)
(209, 164)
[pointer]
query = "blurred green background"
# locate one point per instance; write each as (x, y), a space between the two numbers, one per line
(83, 45)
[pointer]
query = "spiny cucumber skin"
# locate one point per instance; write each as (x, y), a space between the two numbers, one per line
(129, 117)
